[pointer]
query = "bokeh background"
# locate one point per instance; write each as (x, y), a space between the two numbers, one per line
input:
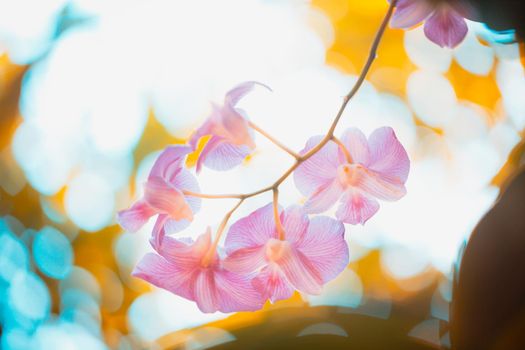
(92, 90)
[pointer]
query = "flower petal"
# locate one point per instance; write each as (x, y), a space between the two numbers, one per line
(164, 274)
(252, 231)
(173, 226)
(411, 12)
(446, 27)
(387, 155)
(185, 180)
(272, 284)
(318, 170)
(169, 160)
(134, 218)
(356, 208)
(324, 198)
(246, 260)
(236, 293)
(166, 199)
(235, 127)
(220, 155)
(381, 186)
(300, 271)
(325, 247)
(158, 233)
(205, 291)
(186, 253)
(205, 129)
(357, 145)
(295, 223)
(237, 93)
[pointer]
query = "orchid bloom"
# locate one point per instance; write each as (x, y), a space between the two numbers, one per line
(193, 270)
(163, 195)
(231, 139)
(311, 253)
(445, 22)
(359, 173)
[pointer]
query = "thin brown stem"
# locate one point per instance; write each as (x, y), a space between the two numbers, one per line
(343, 149)
(209, 255)
(273, 140)
(299, 159)
(211, 196)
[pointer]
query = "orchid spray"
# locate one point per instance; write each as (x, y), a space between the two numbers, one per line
(274, 251)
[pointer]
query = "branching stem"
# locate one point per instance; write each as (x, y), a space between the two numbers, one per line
(299, 159)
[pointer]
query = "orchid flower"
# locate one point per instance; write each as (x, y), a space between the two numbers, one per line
(163, 195)
(194, 270)
(358, 172)
(311, 253)
(444, 20)
(231, 139)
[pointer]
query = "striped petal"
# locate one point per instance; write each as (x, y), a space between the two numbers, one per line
(319, 170)
(169, 161)
(324, 198)
(134, 218)
(387, 156)
(446, 27)
(220, 155)
(356, 208)
(408, 13)
(166, 199)
(251, 231)
(325, 247)
(272, 284)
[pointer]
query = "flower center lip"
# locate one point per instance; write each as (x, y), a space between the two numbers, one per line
(276, 249)
(349, 174)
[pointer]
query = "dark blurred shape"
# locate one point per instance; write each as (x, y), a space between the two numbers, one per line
(488, 306)
(502, 15)
(316, 328)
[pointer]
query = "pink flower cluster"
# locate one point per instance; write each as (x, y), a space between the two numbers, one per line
(272, 252)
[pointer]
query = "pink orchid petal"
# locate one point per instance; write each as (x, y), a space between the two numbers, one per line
(357, 145)
(408, 13)
(318, 170)
(356, 208)
(166, 199)
(205, 129)
(446, 27)
(251, 231)
(237, 93)
(246, 260)
(324, 198)
(236, 293)
(381, 186)
(169, 160)
(185, 180)
(325, 247)
(159, 232)
(220, 155)
(164, 274)
(300, 271)
(173, 226)
(212, 143)
(205, 293)
(189, 253)
(236, 127)
(295, 223)
(272, 284)
(387, 155)
(134, 218)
